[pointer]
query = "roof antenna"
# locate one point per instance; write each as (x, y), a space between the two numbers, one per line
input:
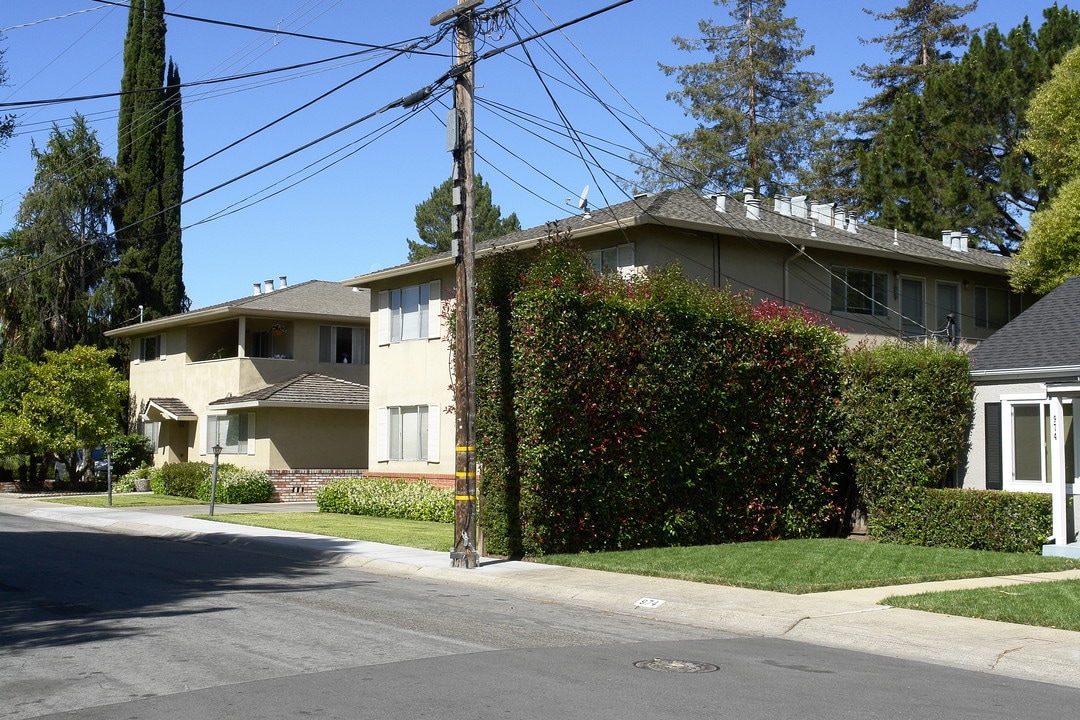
(582, 202)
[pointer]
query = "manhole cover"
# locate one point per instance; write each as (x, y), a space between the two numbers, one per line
(679, 666)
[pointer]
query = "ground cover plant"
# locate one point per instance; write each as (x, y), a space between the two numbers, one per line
(1047, 604)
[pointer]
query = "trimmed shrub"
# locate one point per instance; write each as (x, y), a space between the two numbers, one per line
(966, 519)
(904, 411)
(238, 485)
(180, 479)
(385, 497)
(194, 479)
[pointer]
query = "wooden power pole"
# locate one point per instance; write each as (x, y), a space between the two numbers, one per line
(460, 138)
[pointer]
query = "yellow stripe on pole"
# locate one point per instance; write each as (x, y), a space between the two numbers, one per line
(464, 498)
(465, 448)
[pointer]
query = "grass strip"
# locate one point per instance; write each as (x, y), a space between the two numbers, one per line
(124, 500)
(820, 565)
(1047, 604)
(392, 531)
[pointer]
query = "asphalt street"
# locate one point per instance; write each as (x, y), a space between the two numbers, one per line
(110, 619)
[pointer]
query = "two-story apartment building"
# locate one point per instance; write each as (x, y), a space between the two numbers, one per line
(278, 380)
(869, 281)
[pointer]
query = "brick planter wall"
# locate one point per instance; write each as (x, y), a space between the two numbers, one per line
(300, 485)
(444, 482)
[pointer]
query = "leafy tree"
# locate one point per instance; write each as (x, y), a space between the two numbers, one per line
(149, 164)
(54, 293)
(949, 157)
(433, 220)
(1051, 252)
(69, 402)
(7, 122)
(756, 110)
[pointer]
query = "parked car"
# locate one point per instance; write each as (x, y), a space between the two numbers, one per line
(97, 468)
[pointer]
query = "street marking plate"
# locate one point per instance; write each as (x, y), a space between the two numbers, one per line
(648, 603)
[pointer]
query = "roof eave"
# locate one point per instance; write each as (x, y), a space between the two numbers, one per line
(1030, 374)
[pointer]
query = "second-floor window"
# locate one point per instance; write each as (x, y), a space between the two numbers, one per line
(410, 313)
(619, 258)
(343, 344)
(995, 306)
(863, 292)
(152, 348)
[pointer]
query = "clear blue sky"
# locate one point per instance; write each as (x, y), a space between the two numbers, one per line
(352, 197)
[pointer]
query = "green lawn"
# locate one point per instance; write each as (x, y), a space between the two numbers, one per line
(410, 533)
(124, 500)
(1047, 604)
(803, 566)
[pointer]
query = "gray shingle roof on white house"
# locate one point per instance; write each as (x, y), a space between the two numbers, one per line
(692, 210)
(1046, 336)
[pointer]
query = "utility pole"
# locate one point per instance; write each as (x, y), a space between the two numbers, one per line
(460, 138)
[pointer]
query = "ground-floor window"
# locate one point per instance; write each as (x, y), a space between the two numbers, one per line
(1027, 430)
(231, 432)
(408, 432)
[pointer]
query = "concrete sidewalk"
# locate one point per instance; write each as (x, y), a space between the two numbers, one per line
(849, 619)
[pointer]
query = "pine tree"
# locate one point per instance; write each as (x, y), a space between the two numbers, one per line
(7, 122)
(757, 111)
(149, 165)
(949, 157)
(433, 220)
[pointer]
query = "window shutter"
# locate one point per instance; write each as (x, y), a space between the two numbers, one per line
(435, 310)
(209, 424)
(382, 438)
(992, 442)
(434, 419)
(384, 317)
(250, 433)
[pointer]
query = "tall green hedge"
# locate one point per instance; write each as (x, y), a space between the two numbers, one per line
(905, 411)
(616, 414)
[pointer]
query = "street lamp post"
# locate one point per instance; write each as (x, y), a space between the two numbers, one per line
(213, 478)
(108, 471)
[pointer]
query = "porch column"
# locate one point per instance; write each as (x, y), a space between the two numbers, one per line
(240, 352)
(1057, 472)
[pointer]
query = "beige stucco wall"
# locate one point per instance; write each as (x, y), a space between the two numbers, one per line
(330, 435)
(413, 372)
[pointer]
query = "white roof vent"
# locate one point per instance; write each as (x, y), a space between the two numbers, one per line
(256, 289)
(798, 206)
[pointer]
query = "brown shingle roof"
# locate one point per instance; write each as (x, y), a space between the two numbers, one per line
(305, 390)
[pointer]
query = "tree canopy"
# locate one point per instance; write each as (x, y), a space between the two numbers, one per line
(756, 107)
(54, 292)
(7, 121)
(1051, 252)
(70, 401)
(948, 156)
(433, 220)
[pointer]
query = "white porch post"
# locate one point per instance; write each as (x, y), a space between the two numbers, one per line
(1057, 476)
(241, 351)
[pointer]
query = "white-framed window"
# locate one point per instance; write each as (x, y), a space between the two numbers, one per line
(408, 432)
(1027, 447)
(152, 432)
(343, 344)
(994, 307)
(410, 313)
(863, 292)
(151, 347)
(618, 258)
(233, 432)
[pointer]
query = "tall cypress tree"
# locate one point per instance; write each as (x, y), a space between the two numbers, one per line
(149, 167)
